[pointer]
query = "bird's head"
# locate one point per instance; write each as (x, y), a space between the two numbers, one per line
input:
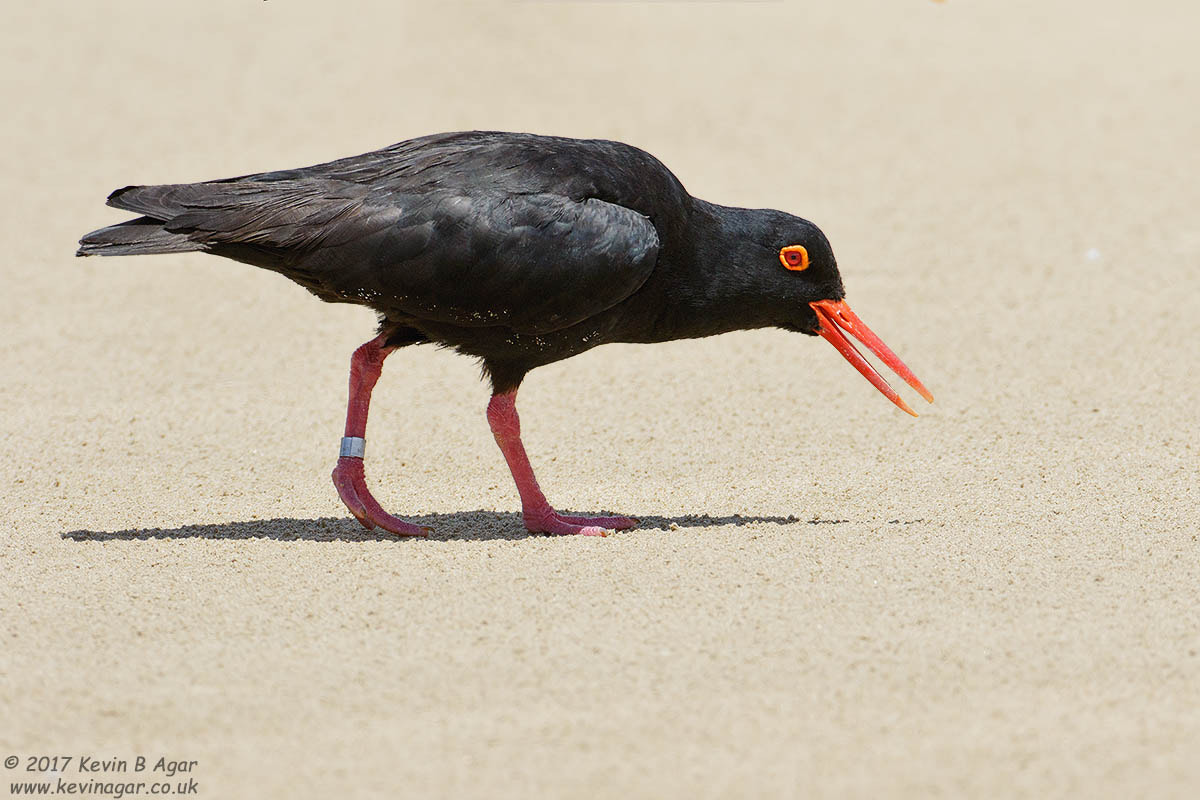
(790, 266)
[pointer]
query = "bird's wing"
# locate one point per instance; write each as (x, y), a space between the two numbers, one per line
(531, 262)
(285, 214)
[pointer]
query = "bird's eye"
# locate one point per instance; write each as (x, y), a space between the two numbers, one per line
(794, 257)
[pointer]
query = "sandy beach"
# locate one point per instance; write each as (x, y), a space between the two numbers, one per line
(826, 598)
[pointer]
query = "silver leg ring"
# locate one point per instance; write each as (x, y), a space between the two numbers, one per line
(353, 447)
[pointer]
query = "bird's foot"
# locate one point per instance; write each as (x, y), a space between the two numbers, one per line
(351, 483)
(550, 521)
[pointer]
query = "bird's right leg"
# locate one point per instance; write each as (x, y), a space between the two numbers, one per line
(348, 475)
(539, 516)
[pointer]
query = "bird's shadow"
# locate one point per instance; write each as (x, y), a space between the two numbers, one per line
(461, 525)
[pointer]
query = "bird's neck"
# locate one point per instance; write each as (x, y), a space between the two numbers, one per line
(707, 292)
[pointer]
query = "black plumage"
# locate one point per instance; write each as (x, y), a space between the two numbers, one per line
(517, 249)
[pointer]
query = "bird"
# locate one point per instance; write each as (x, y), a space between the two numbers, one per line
(516, 249)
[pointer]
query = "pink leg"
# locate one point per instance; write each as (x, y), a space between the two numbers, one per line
(539, 516)
(348, 475)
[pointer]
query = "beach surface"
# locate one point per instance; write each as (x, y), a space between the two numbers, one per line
(826, 598)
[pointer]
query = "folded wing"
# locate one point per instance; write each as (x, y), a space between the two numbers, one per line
(533, 262)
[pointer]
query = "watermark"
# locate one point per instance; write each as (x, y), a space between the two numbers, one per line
(87, 775)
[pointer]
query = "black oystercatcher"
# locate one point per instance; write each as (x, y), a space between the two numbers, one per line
(517, 249)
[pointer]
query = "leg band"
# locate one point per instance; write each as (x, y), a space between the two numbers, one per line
(353, 447)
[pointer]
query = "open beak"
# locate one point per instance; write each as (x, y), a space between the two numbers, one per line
(835, 316)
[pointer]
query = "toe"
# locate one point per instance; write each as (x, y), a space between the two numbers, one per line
(350, 480)
(343, 481)
(399, 526)
(560, 526)
(612, 523)
(377, 515)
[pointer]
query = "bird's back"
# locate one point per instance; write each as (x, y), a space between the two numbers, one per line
(509, 162)
(474, 228)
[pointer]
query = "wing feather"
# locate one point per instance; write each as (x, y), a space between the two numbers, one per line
(533, 262)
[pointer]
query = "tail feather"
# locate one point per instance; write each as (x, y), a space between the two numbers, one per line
(141, 236)
(272, 216)
(158, 201)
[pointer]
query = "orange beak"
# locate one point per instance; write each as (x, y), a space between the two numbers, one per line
(835, 316)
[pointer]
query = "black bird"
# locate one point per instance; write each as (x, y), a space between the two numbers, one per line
(519, 250)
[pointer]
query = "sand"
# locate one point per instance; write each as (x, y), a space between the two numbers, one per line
(826, 598)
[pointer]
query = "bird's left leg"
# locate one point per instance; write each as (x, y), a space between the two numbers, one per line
(349, 476)
(539, 516)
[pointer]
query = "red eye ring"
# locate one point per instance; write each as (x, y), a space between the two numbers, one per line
(794, 257)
